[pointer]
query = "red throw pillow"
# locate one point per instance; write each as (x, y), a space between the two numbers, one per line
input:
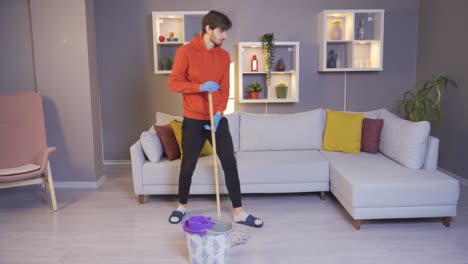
(168, 141)
(370, 137)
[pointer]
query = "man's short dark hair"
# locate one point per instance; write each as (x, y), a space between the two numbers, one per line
(215, 19)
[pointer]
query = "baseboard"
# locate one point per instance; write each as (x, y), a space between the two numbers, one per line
(107, 162)
(80, 184)
(462, 180)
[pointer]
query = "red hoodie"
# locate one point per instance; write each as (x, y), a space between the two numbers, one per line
(193, 66)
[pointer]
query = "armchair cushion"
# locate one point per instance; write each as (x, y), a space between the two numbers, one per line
(19, 170)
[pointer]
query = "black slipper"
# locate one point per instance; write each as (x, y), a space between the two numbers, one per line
(250, 221)
(180, 215)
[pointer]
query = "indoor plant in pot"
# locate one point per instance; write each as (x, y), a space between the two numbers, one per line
(424, 103)
(268, 46)
(281, 89)
(254, 90)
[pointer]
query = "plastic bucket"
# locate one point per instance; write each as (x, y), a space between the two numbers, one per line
(212, 247)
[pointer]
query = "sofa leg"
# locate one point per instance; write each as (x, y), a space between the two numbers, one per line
(357, 224)
(322, 196)
(141, 199)
(446, 221)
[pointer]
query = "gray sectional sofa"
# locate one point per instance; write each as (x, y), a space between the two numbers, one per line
(283, 154)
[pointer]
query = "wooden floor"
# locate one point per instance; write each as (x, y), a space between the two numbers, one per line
(107, 225)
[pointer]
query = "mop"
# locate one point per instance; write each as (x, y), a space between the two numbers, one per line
(238, 237)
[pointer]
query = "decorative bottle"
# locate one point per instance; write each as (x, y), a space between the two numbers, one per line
(254, 64)
(361, 34)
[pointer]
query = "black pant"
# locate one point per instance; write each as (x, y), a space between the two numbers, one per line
(194, 136)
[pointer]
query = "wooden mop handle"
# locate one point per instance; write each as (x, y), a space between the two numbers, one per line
(215, 164)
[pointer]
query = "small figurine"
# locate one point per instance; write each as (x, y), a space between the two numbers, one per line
(331, 61)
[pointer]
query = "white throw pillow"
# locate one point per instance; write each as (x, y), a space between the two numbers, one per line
(151, 146)
(164, 119)
(233, 120)
(404, 141)
(281, 131)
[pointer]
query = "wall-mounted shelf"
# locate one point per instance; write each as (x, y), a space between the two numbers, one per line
(183, 25)
(360, 47)
(289, 52)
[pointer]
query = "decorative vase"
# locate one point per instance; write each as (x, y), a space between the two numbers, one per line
(280, 66)
(281, 92)
(336, 31)
(338, 60)
(254, 64)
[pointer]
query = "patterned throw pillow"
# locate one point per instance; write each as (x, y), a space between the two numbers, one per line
(370, 138)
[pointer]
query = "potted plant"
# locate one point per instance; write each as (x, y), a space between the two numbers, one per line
(424, 103)
(268, 46)
(254, 90)
(281, 89)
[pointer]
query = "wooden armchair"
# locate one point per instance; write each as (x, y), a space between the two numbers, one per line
(24, 154)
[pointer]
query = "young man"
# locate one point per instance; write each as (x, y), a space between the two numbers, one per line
(202, 67)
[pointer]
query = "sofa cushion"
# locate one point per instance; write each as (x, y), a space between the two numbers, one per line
(343, 132)
(404, 141)
(300, 131)
(368, 180)
(151, 146)
(282, 167)
(234, 122)
(166, 172)
(164, 119)
(177, 129)
(374, 114)
(370, 136)
(168, 141)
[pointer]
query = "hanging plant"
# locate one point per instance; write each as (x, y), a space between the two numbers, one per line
(268, 46)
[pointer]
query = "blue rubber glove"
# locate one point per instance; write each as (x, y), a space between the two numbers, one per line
(216, 119)
(209, 86)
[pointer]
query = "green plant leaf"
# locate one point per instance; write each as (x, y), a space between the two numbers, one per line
(425, 103)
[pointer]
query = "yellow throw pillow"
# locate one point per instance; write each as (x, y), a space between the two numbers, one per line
(343, 132)
(177, 128)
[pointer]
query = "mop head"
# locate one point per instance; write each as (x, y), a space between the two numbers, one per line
(238, 236)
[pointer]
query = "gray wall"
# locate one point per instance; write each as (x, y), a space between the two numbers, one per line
(131, 93)
(52, 51)
(442, 50)
(16, 59)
